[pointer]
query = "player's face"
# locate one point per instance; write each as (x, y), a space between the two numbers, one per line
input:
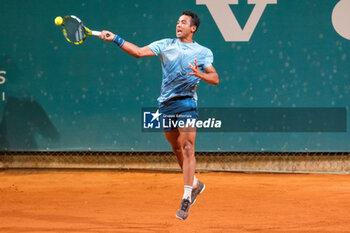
(184, 28)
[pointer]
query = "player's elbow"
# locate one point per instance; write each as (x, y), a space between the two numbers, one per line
(216, 80)
(137, 55)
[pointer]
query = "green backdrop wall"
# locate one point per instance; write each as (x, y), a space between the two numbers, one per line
(59, 96)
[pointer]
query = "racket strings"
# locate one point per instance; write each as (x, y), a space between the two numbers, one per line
(74, 31)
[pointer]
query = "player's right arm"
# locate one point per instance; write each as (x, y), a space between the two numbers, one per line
(136, 51)
(128, 47)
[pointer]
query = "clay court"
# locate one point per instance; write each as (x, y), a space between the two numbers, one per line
(116, 201)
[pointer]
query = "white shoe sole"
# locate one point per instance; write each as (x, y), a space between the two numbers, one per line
(181, 218)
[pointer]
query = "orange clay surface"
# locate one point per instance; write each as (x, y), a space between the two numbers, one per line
(115, 201)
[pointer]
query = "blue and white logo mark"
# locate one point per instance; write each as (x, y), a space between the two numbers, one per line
(151, 120)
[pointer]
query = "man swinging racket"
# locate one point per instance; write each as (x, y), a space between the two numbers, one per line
(184, 63)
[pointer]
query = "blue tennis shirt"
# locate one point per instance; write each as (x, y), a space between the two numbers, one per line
(175, 56)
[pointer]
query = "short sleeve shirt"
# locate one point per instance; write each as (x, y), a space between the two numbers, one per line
(175, 58)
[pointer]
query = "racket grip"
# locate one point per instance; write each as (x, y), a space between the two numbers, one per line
(95, 33)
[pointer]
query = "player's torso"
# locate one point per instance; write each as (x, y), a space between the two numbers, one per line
(177, 55)
(175, 58)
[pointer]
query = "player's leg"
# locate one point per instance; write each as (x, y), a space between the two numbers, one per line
(186, 142)
(172, 137)
(182, 143)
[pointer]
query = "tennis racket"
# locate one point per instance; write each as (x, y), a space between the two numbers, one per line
(75, 31)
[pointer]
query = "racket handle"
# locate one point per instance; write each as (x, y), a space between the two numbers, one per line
(95, 33)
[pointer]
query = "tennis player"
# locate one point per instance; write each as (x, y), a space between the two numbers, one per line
(184, 64)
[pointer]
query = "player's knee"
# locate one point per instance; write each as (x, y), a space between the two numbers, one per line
(188, 146)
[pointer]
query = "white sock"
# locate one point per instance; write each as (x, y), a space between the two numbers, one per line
(195, 182)
(187, 192)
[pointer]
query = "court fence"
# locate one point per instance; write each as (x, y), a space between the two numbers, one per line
(275, 162)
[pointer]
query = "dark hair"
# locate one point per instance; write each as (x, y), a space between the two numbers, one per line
(194, 18)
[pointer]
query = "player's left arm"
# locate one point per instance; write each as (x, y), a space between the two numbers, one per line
(209, 75)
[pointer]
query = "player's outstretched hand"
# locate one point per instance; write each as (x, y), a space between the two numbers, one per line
(107, 35)
(195, 69)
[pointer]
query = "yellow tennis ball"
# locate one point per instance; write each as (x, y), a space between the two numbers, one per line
(58, 20)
